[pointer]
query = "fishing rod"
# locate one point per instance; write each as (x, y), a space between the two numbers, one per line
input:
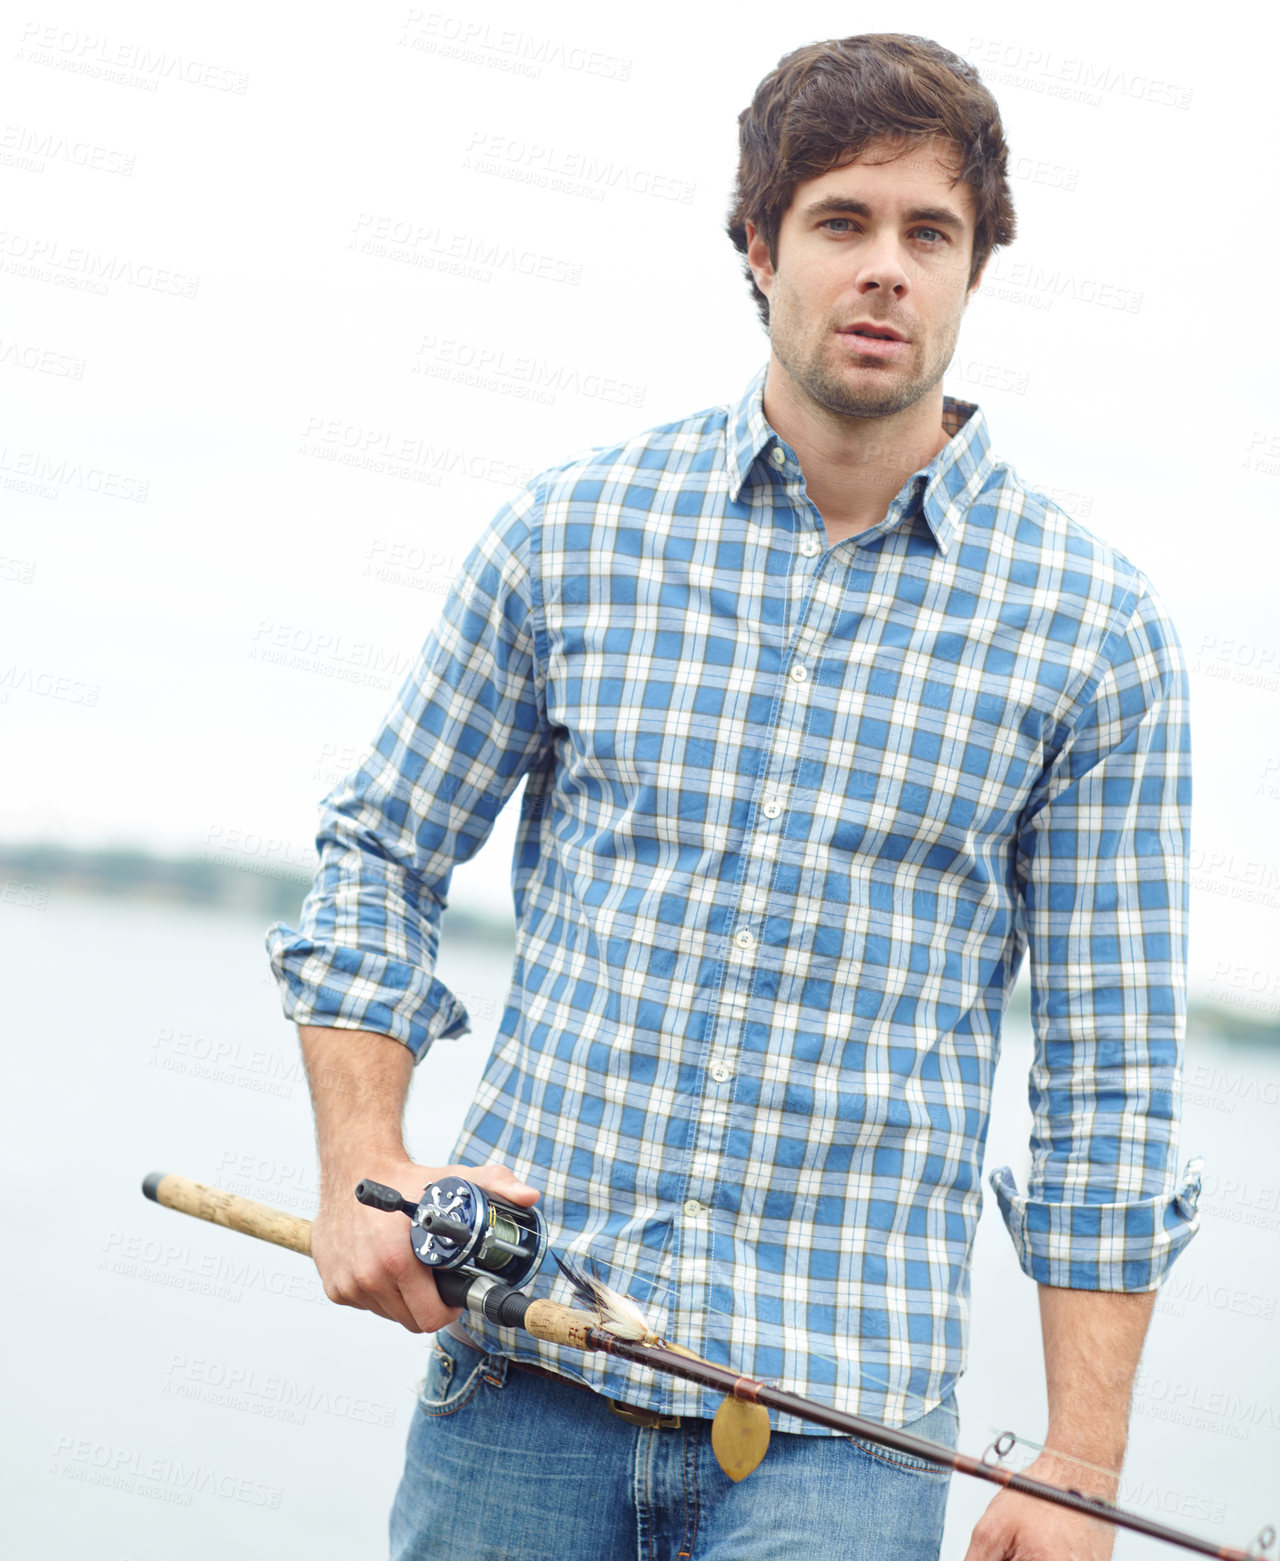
(481, 1249)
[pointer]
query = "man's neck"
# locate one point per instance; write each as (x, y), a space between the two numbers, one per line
(853, 467)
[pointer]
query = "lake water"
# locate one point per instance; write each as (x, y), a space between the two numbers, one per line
(176, 1389)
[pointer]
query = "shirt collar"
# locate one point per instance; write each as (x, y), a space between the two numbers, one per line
(946, 486)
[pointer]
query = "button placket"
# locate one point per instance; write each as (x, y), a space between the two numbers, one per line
(762, 854)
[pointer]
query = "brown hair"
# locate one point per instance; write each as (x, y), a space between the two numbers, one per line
(826, 101)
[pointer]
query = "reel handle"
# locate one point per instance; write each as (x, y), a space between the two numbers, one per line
(375, 1196)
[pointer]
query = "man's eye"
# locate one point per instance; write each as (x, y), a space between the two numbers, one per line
(835, 223)
(937, 232)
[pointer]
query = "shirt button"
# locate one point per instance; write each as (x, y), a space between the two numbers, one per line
(743, 938)
(799, 672)
(721, 1071)
(692, 1208)
(810, 547)
(771, 807)
(778, 455)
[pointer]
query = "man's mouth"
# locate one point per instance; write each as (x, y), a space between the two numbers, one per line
(872, 329)
(870, 339)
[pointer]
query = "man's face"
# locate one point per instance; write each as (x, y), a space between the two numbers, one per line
(879, 243)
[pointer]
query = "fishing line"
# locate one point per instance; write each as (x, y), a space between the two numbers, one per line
(476, 1236)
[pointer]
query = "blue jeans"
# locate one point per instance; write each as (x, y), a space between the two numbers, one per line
(502, 1465)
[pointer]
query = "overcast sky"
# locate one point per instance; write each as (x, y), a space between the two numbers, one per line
(244, 243)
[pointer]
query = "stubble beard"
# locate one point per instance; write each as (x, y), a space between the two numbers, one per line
(883, 390)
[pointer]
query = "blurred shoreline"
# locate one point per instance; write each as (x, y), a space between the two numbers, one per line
(250, 882)
(246, 882)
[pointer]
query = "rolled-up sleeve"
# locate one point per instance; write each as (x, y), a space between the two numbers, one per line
(1102, 863)
(467, 725)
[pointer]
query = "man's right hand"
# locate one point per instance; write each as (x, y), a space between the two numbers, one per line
(364, 1256)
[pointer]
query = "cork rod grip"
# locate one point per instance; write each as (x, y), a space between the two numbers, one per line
(229, 1210)
(558, 1324)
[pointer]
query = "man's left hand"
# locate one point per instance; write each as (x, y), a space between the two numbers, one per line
(1023, 1528)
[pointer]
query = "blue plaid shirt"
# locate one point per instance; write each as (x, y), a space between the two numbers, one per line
(792, 814)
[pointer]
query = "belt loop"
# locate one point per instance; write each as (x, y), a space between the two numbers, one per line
(495, 1370)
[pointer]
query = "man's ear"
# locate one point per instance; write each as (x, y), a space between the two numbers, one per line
(977, 281)
(758, 258)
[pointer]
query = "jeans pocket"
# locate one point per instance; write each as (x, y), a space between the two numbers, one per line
(907, 1462)
(450, 1382)
(940, 1425)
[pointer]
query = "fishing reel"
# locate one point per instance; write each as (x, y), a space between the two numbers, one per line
(462, 1233)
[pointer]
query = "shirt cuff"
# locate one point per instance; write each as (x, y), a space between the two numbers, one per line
(352, 989)
(1100, 1246)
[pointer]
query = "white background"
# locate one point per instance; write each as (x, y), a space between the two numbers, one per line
(227, 533)
(172, 512)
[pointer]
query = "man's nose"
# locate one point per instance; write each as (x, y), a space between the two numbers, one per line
(882, 268)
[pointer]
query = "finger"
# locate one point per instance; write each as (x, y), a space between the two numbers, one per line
(373, 1287)
(504, 1181)
(358, 1300)
(389, 1303)
(407, 1293)
(987, 1542)
(422, 1301)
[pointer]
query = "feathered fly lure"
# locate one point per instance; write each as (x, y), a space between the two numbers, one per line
(618, 1314)
(739, 1430)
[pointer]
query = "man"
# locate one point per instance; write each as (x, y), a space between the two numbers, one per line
(824, 719)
